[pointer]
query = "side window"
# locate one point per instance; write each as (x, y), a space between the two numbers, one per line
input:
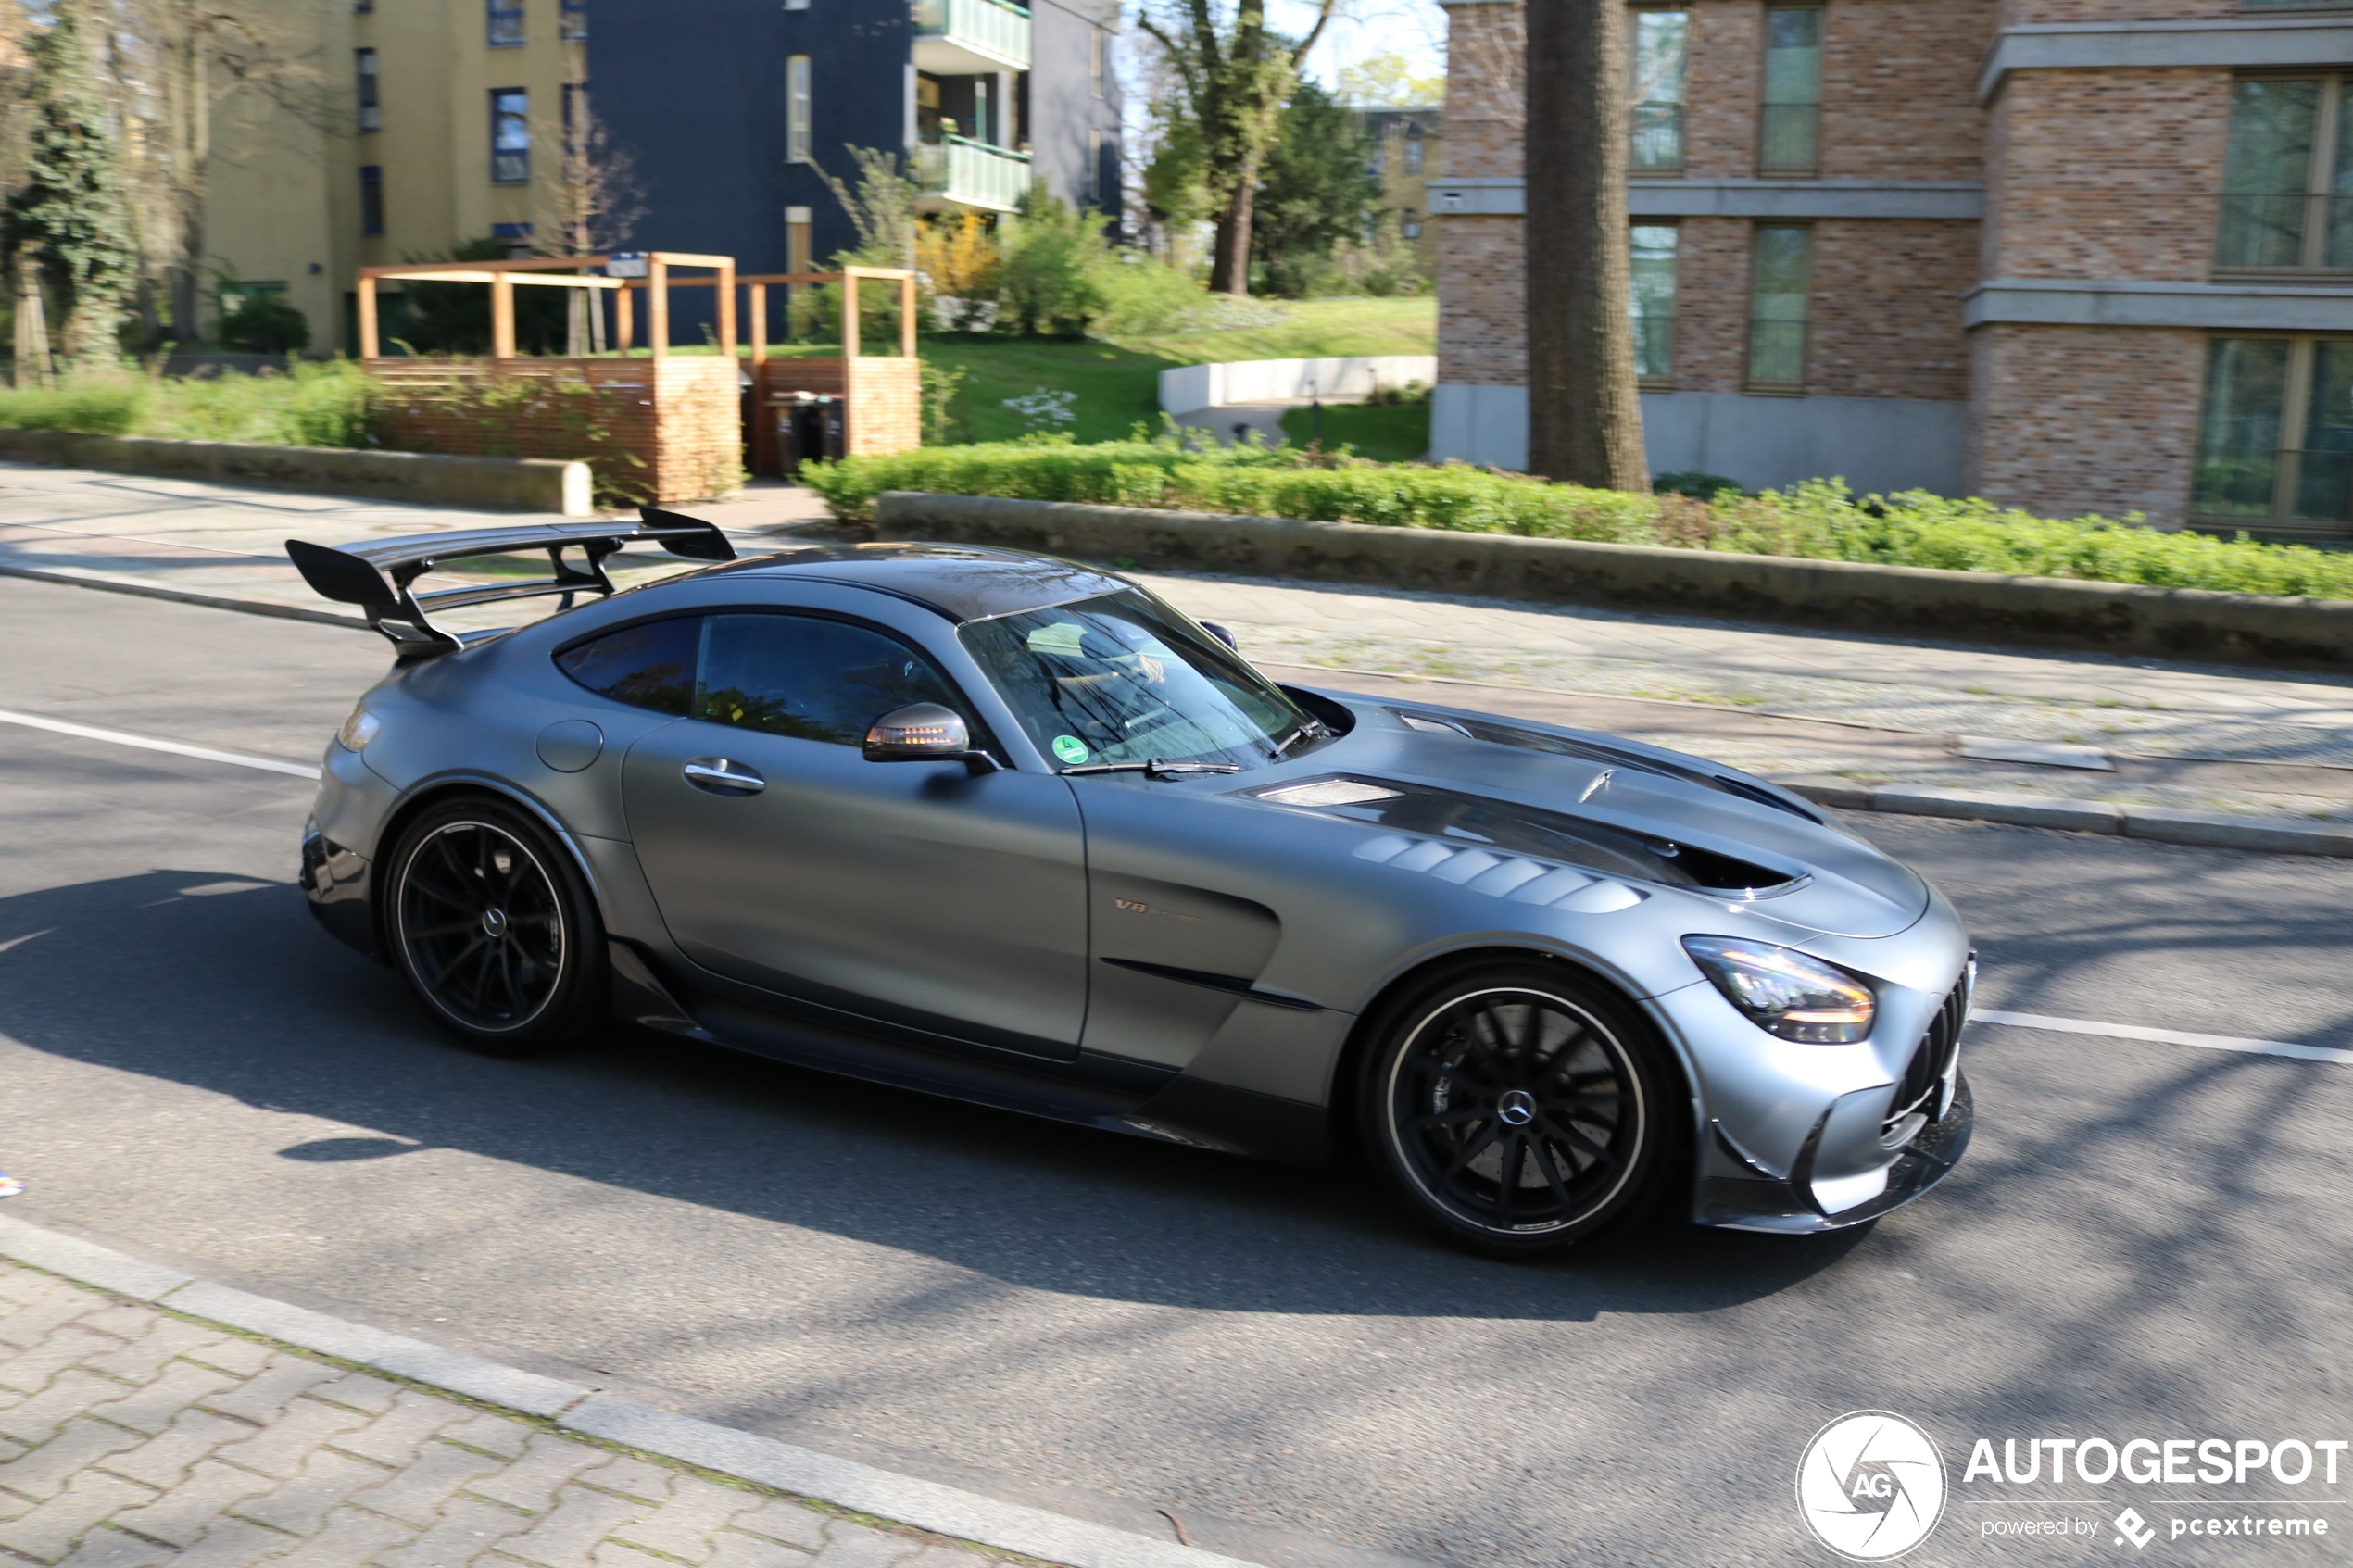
(811, 679)
(647, 666)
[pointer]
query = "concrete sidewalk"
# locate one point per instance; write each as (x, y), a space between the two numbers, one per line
(1872, 710)
(133, 1439)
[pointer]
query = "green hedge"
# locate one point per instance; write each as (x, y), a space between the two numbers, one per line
(307, 405)
(1818, 520)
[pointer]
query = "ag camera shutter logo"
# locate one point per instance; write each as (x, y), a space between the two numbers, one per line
(1872, 1486)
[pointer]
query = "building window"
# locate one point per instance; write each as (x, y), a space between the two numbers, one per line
(1095, 165)
(505, 23)
(1653, 269)
(372, 199)
(2287, 178)
(1097, 47)
(1411, 228)
(1789, 124)
(361, 8)
(364, 70)
(1413, 151)
(797, 116)
(1656, 91)
(510, 137)
(1781, 269)
(2275, 439)
(572, 21)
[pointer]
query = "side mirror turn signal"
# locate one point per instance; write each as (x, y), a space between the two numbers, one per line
(925, 732)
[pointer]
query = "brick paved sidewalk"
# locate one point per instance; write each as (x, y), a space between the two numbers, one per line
(131, 1438)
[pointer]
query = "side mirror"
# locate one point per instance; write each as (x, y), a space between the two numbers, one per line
(925, 732)
(1220, 633)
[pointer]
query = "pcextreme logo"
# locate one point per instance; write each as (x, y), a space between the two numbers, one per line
(1872, 1486)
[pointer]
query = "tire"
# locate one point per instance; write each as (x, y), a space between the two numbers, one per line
(492, 926)
(1530, 1064)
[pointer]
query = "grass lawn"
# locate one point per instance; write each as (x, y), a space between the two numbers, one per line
(1312, 329)
(1118, 383)
(1396, 432)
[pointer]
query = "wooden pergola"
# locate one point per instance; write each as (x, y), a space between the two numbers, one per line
(564, 272)
(679, 424)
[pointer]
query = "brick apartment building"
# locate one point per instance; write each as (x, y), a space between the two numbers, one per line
(2075, 256)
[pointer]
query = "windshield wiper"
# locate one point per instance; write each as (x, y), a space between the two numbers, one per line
(1313, 728)
(1155, 769)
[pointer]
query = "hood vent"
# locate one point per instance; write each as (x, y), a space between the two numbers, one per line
(1505, 830)
(1472, 727)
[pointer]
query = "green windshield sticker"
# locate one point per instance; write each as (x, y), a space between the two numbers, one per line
(1071, 749)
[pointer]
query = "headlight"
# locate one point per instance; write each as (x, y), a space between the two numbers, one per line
(359, 730)
(1784, 991)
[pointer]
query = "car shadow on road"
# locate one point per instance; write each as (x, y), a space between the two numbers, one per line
(237, 992)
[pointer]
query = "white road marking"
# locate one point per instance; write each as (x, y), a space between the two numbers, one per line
(145, 742)
(2162, 1036)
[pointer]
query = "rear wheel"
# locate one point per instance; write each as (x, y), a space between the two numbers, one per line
(1521, 1107)
(492, 928)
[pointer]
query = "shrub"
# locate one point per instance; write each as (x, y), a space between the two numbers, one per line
(1699, 486)
(1049, 280)
(86, 405)
(309, 404)
(1820, 519)
(265, 323)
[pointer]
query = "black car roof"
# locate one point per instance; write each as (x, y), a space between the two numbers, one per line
(961, 581)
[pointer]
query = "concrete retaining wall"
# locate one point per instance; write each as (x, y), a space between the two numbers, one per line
(1195, 387)
(1900, 601)
(527, 484)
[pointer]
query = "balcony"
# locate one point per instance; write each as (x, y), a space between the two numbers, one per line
(957, 171)
(970, 37)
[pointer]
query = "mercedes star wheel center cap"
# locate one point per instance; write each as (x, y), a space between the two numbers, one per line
(1517, 1108)
(494, 923)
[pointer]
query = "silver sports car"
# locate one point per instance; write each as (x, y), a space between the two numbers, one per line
(1014, 829)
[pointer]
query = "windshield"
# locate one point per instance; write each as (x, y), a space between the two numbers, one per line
(1123, 679)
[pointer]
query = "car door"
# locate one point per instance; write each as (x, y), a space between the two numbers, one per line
(917, 894)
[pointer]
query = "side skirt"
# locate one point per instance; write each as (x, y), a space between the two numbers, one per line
(1106, 1092)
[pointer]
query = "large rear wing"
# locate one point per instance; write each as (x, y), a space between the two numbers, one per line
(379, 576)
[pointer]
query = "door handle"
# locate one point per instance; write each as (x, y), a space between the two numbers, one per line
(723, 777)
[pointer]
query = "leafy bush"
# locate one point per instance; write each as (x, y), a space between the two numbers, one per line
(1819, 521)
(86, 405)
(309, 405)
(265, 323)
(1050, 277)
(1699, 486)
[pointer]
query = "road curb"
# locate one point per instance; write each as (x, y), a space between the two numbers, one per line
(2162, 824)
(182, 597)
(726, 1451)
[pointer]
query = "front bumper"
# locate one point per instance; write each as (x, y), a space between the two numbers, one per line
(1789, 1207)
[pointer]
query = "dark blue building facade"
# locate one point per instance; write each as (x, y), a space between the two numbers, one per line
(708, 100)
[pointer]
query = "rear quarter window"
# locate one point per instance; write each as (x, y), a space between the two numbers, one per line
(650, 665)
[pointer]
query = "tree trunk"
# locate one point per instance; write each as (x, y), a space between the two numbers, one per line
(1229, 254)
(1584, 413)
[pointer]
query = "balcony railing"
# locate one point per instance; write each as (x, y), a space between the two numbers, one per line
(2286, 230)
(989, 34)
(971, 173)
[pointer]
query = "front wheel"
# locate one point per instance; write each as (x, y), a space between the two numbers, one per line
(492, 928)
(1519, 1108)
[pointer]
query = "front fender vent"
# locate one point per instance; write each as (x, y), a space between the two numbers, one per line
(1504, 876)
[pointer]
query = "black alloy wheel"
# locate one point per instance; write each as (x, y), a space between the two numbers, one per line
(493, 930)
(1521, 1108)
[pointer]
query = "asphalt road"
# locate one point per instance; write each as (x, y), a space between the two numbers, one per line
(2146, 1240)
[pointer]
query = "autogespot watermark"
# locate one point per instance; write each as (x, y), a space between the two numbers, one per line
(1872, 1485)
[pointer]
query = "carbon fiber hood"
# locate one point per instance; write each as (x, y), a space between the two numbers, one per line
(1612, 807)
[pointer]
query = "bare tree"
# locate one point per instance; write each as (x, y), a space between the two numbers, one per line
(179, 61)
(1584, 413)
(1236, 83)
(594, 203)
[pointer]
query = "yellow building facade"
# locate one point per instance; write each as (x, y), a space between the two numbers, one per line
(427, 123)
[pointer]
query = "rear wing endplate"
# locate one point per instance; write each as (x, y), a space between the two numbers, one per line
(379, 576)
